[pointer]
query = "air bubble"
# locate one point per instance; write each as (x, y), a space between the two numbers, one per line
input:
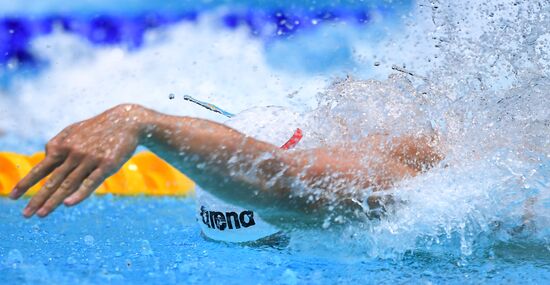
(146, 248)
(14, 258)
(89, 240)
(289, 277)
(71, 260)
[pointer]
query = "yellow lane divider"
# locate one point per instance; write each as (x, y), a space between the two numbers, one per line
(143, 174)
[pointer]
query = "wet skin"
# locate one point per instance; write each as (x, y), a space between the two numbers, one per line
(239, 169)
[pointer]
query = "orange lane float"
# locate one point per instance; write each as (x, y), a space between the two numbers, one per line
(143, 174)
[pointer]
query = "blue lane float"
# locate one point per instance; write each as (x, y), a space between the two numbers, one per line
(128, 30)
(17, 32)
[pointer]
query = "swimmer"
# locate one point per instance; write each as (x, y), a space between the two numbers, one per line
(289, 188)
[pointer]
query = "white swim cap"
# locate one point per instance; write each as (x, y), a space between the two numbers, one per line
(226, 222)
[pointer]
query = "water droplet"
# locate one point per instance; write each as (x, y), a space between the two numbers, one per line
(89, 240)
(289, 277)
(14, 257)
(71, 260)
(292, 94)
(146, 248)
(326, 223)
(376, 63)
(171, 96)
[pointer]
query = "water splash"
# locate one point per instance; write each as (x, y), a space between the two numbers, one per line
(486, 91)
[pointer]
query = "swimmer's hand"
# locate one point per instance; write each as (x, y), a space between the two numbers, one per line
(80, 158)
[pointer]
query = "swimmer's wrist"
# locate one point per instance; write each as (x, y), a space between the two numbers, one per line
(140, 120)
(149, 122)
(155, 126)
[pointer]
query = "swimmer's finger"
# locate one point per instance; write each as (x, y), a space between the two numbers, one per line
(57, 177)
(67, 187)
(88, 186)
(41, 170)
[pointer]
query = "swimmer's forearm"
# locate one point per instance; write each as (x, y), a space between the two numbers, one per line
(202, 138)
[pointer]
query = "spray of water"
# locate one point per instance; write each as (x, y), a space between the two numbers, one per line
(485, 89)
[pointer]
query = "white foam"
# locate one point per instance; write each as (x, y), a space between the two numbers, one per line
(226, 68)
(486, 89)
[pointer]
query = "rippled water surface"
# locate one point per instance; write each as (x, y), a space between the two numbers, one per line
(129, 240)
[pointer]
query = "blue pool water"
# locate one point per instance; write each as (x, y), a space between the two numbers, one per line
(476, 71)
(111, 240)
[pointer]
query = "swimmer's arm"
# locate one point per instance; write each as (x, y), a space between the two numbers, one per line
(281, 185)
(233, 166)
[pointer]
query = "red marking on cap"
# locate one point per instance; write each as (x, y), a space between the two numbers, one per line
(293, 141)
